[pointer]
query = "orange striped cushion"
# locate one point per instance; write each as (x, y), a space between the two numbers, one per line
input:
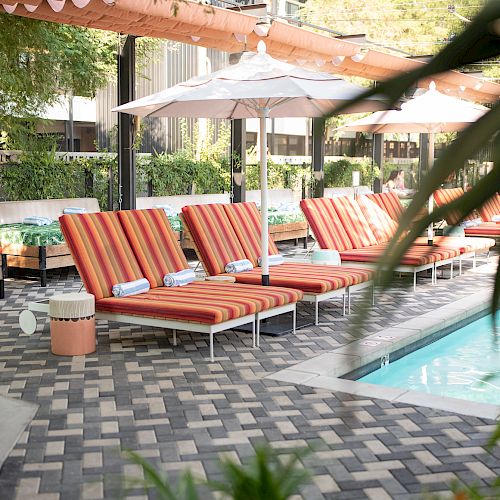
(462, 244)
(308, 278)
(392, 205)
(490, 208)
(415, 256)
(100, 250)
(213, 235)
(201, 302)
(246, 222)
(382, 226)
(444, 196)
(490, 229)
(325, 224)
(354, 222)
(153, 242)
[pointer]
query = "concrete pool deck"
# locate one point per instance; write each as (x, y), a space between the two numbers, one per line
(325, 371)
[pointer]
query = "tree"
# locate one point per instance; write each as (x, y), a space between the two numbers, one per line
(415, 27)
(40, 61)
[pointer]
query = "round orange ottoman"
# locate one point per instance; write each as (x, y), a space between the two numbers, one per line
(72, 324)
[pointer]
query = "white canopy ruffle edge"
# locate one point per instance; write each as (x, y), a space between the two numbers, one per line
(56, 5)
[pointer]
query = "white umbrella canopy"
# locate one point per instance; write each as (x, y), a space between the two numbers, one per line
(257, 86)
(429, 113)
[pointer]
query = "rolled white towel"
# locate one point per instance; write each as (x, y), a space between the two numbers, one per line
(36, 220)
(131, 288)
(239, 266)
(471, 223)
(273, 260)
(495, 218)
(180, 278)
(75, 210)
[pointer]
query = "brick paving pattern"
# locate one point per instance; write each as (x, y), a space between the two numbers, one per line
(139, 392)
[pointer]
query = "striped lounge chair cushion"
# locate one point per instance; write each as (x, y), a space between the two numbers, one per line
(325, 224)
(213, 235)
(464, 245)
(201, 302)
(246, 223)
(382, 226)
(488, 229)
(308, 278)
(415, 256)
(389, 202)
(354, 222)
(153, 242)
(100, 250)
(444, 196)
(490, 208)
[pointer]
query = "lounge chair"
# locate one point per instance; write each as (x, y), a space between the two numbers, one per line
(485, 228)
(376, 209)
(339, 223)
(230, 232)
(117, 247)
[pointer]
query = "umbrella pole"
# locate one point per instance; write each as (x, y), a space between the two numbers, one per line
(263, 115)
(430, 163)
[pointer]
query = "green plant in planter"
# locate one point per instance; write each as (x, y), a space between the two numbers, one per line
(339, 173)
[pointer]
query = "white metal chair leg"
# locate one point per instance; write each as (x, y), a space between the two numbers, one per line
(373, 294)
(343, 304)
(212, 347)
(174, 339)
(253, 332)
(316, 312)
(414, 281)
(258, 333)
(451, 270)
(294, 321)
(348, 300)
(434, 275)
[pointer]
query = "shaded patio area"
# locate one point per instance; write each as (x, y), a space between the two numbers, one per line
(139, 392)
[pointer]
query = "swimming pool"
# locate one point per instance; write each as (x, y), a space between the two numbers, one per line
(453, 366)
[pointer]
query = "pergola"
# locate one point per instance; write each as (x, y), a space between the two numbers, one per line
(227, 30)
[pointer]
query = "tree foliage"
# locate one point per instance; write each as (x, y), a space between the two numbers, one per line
(40, 61)
(415, 27)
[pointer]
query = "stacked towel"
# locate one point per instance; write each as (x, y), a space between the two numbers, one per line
(36, 220)
(471, 223)
(239, 266)
(170, 211)
(273, 260)
(131, 288)
(495, 218)
(75, 210)
(180, 278)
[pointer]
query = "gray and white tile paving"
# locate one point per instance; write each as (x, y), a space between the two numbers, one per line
(140, 392)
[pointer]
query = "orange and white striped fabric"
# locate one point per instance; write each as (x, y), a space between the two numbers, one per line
(444, 197)
(382, 226)
(355, 224)
(389, 202)
(490, 208)
(325, 224)
(101, 251)
(246, 223)
(153, 242)
(213, 235)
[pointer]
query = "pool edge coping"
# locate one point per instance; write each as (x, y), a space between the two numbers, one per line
(325, 370)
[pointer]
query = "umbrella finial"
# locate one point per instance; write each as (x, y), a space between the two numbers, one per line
(261, 47)
(432, 85)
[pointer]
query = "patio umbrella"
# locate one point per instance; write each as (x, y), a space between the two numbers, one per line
(429, 113)
(257, 86)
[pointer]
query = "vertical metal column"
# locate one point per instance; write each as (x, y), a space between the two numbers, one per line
(378, 158)
(238, 160)
(126, 153)
(423, 157)
(318, 156)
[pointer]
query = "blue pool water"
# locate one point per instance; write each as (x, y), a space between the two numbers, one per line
(453, 366)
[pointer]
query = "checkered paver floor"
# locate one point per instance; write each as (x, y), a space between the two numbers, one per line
(139, 392)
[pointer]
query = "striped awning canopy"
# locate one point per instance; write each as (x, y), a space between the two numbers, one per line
(196, 23)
